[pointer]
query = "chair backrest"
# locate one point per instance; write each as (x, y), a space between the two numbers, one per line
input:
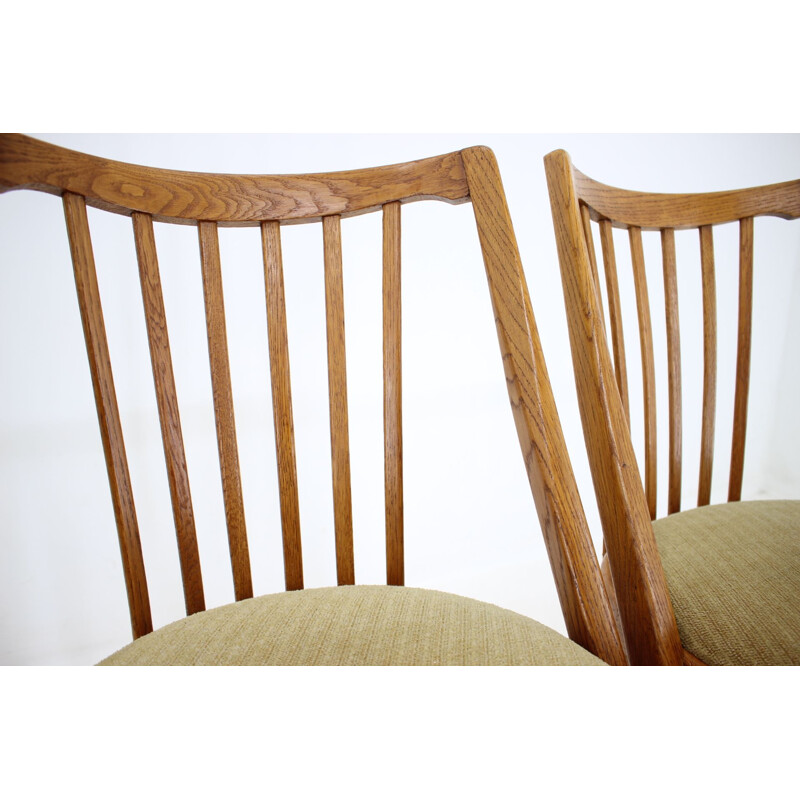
(582, 210)
(268, 202)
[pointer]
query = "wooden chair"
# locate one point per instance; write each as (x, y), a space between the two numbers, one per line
(346, 624)
(715, 584)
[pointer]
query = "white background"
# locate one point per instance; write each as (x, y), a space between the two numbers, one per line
(470, 521)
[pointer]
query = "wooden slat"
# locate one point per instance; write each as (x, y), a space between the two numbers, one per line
(282, 404)
(615, 313)
(648, 369)
(392, 396)
(234, 200)
(223, 409)
(587, 232)
(709, 365)
(337, 395)
(742, 358)
(586, 221)
(673, 368)
(108, 413)
(168, 412)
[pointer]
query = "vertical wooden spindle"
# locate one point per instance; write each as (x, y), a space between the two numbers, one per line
(119, 479)
(282, 404)
(742, 358)
(392, 396)
(648, 370)
(673, 368)
(223, 409)
(337, 394)
(168, 413)
(615, 313)
(709, 365)
(586, 220)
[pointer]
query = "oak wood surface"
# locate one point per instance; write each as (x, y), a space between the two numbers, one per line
(587, 232)
(230, 200)
(393, 395)
(107, 413)
(615, 313)
(742, 358)
(673, 369)
(337, 398)
(168, 413)
(283, 416)
(654, 211)
(223, 409)
(648, 367)
(709, 365)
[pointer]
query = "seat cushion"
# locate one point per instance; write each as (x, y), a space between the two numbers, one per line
(354, 625)
(733, 573)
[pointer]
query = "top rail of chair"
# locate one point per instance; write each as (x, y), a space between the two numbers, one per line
(653, 211)
(230, 200)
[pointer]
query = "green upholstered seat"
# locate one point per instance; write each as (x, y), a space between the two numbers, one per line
(355, 625)
(733, 572)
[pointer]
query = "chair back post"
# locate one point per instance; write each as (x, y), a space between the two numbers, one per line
(584, 601)
(647, 616)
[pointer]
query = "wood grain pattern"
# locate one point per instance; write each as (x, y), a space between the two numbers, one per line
(615, 313)
(742, 358)
(709, 365)
(587, 232)
(648, 620)
(393, 396)
(230, 200)
(223, 409)
(337, 398)
(653, 211)
(168, 413)
(587, 611)
(108, 413)
(673, 369)
(282, 405)
(648, 367)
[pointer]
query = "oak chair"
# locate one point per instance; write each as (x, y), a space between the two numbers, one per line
(712, 584)
(347, 624)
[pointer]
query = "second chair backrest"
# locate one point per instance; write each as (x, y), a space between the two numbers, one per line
(583, 210)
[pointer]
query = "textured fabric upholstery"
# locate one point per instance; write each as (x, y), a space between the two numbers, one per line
(733, 572)
(352, 625)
